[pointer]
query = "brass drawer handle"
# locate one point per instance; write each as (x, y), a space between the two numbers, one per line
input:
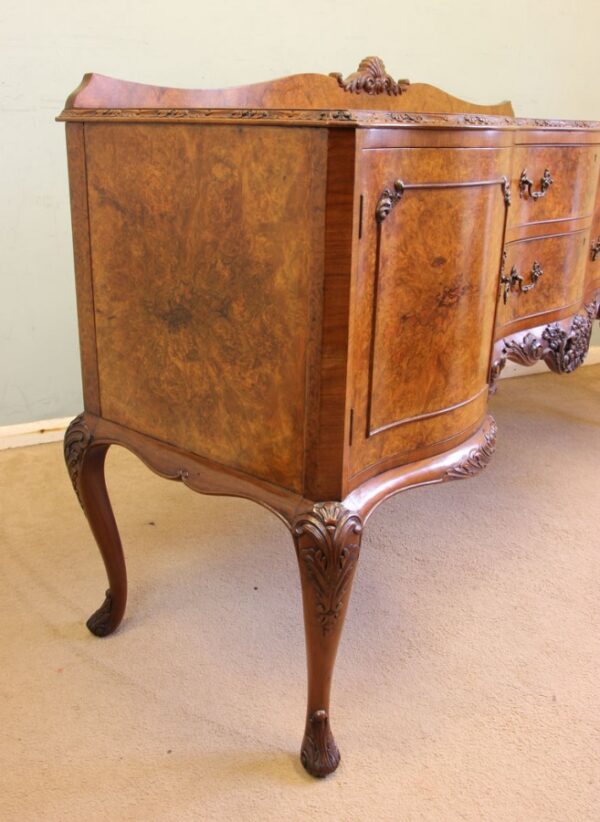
(516, 281)
(525, 184)
(595, 250)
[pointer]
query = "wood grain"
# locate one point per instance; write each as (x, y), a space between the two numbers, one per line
(206, 243)
(424, 312)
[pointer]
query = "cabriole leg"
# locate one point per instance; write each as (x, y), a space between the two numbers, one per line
(85, 463)
(327, 543)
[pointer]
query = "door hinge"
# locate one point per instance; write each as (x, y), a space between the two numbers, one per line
(351, 426)
(360, 216)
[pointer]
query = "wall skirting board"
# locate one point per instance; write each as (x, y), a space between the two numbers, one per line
(33, 433)
(41, 431)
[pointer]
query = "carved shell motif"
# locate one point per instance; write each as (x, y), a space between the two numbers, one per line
(371, 78)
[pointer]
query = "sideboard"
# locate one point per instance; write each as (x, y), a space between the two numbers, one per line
(302, 292)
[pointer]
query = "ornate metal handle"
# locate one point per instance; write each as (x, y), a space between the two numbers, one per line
(515, 280)
(526, 185)
(595, 250)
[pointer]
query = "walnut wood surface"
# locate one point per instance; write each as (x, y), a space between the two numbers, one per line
(427, 383)
(311, 317)
(207, 245)
(574, 170)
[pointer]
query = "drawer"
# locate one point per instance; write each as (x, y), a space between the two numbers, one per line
(573, 171)
(552, 269)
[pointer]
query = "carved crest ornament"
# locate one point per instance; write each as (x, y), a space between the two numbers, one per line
(371, 78)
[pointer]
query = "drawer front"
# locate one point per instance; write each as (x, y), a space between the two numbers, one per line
(424, 297)
(542, 275)
(563, 182)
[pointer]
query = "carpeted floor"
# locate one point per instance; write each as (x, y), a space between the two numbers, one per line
(467, 683)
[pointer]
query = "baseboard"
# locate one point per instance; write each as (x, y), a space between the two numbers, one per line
(511, 369)
(33, 433)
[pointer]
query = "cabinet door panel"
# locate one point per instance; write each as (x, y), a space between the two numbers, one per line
(425, 297)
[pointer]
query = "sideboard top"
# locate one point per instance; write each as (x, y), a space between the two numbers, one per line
(368, 97)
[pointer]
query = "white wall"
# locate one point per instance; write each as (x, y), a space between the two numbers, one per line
(542, 54)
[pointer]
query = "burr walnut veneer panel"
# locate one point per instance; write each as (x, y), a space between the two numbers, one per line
(207, 249)
(424, 312)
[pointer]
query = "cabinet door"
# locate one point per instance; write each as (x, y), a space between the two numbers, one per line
(424, 300)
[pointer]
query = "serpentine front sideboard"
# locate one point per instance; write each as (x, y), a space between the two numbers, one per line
(302, 292)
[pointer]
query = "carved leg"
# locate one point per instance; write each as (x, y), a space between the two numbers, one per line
(85, 463)
(327, 546)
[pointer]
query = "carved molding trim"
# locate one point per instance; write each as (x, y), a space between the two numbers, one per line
(330, 557)
(317, 116)
(319, 754)
(387, 200)
(371, 77)
(595, 251)
(478, 458)
(77, 440)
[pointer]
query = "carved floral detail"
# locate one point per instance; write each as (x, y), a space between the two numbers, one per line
(595, 252)
(527, 352)
(330, 557)
(387, 200)
(319, 755)
(476, 120)
(77, 440)
(478, 458)
(562, 349)
(371, 78)
(565, 350)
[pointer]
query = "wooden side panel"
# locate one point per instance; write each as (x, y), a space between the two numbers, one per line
(83, 269)
(425, 297)
(207, 246)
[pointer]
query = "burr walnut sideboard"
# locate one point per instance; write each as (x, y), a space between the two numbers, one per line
(302, 292)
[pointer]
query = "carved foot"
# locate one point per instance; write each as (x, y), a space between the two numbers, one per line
(102, 622)
(319, 754)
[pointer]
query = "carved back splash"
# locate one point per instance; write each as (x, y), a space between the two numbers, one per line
(370, 87)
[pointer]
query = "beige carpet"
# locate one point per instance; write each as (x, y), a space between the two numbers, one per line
(467, 686)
